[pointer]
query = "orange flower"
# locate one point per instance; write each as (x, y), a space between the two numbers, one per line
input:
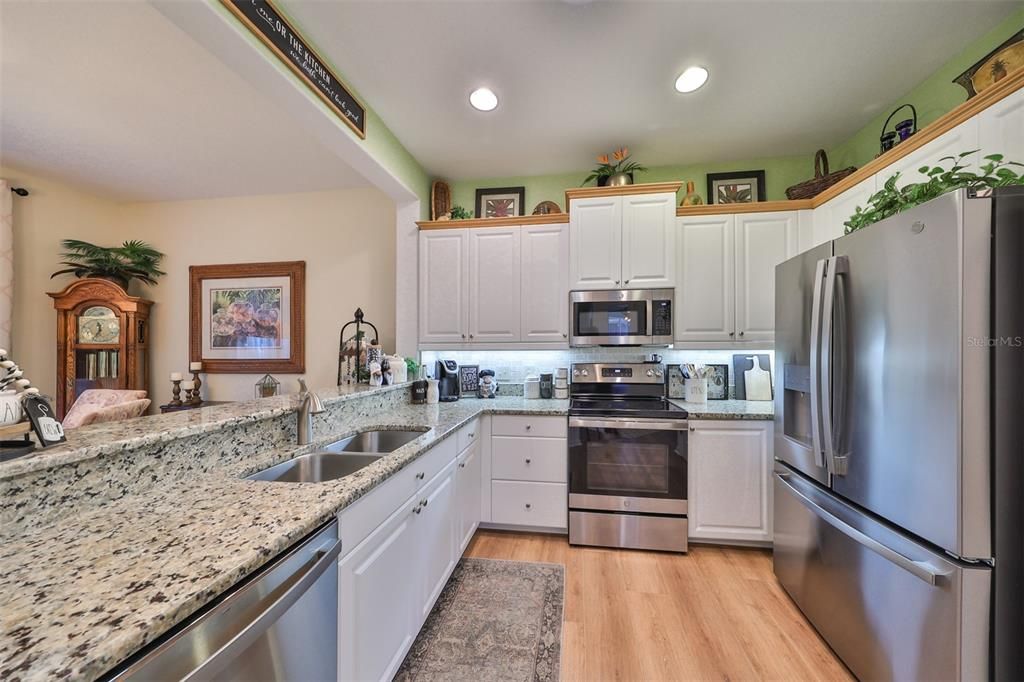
(603, 158)
(617, 155)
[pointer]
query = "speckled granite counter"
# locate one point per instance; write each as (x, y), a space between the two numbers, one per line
(85, 592)
(729, 409)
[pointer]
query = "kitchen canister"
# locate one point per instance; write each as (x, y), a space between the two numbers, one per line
(561, 392)
(419, 391)
(695, 390)
(531, 387)
(11, 411)
(546, 386)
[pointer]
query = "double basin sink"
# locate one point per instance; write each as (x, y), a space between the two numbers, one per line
(339, 459)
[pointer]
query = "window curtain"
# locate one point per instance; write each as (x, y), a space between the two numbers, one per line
(6, 263)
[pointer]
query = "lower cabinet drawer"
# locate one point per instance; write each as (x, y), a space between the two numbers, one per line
(529, 425)
(520, 503)
(529, 459)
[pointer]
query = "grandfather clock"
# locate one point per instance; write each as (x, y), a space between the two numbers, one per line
(102, 340)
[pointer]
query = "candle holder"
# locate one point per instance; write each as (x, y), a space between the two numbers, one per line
(176, 392)
(196, 383)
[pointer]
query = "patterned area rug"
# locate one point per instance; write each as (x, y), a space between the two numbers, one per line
(495, 620)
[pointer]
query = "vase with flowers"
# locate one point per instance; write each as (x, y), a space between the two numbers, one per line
(614, 171)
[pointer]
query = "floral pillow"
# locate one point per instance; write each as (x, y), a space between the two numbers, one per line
(94, 399)
(113, 413)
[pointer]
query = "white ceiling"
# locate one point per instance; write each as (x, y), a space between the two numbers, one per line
(113, 97)
(576, 78)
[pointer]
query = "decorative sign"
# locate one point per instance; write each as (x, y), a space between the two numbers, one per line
(40, 413)
(270, 26)
(469, 379)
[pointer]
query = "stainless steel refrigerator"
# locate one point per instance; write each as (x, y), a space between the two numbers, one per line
(899, 435)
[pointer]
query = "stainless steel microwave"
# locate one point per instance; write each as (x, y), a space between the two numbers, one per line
(621, 317)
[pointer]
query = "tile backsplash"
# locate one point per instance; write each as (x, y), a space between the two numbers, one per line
(513, 366)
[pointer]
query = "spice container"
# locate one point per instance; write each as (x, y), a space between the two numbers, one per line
(546, 385)
(531, 387)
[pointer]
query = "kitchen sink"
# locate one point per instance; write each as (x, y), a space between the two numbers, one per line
(373, 441)
(316, 467)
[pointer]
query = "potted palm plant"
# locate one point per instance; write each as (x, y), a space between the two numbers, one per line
(618, 170)
(118, 264)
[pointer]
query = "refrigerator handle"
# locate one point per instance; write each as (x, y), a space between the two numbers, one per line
(819, 275)
(836, 267)
(920, 569)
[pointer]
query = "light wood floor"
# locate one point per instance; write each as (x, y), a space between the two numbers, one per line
(713, 614)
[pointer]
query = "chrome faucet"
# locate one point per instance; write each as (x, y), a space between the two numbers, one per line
(309, 404)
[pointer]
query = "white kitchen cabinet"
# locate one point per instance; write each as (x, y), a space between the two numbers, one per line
(378, 596)
(729, 472)
(436, 535)
(469, 488)
(648, 240)
(444, 276)
(595, 243)
(763, 240)
(494, 276)
(545, 283)
(962, 138)
(705, 296)
(830, 217)
(530, 504)
(1001, 129)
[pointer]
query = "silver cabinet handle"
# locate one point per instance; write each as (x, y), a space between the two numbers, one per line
(921, 569)
(470, 336)
(528, 505)
(565, 336)
(627, 281)
(528, 427)
(471, 434)
(741, 333)
(527, 460)
(462, 465)
(420, 475)
(418, 509)
(732, 333)
(616, 281)
(693, 428)
(463, 336)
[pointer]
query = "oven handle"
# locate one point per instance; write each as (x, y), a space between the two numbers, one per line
(624, 423)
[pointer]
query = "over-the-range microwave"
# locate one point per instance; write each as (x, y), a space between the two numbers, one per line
(621, 317)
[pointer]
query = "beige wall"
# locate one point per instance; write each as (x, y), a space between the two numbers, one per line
(52, 212)
(346, 237)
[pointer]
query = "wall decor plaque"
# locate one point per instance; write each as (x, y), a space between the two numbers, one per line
(994, 67)
(741, 187)
(469, 379)
(269, 25)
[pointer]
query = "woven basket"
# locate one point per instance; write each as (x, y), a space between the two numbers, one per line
(821, 181)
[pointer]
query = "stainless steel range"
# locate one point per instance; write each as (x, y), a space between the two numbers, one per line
(627, 459)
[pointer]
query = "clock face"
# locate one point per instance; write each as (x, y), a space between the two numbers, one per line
(99, 325)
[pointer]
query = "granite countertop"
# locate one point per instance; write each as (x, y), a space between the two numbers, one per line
(85, 593)
(729, 409)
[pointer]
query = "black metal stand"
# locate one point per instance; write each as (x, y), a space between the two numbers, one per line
(359, 369)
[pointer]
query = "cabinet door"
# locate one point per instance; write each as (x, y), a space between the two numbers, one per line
(763, 240)
(705, 295)
(435, 531)
(648, 240)
(469, 487)
(729, 473)
(830, 217)
(595, 243)
(545, 283)
(377, 596)
(962, 138)
(444, 300)
(1001, 129)
(494, 296)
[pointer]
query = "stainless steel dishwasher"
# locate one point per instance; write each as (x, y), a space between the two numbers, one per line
(279, 624)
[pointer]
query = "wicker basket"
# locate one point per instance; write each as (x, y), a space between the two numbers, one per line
(821, 181)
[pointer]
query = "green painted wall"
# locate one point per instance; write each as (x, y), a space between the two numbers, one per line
(380, 142)
(780, 173)
(934, 97)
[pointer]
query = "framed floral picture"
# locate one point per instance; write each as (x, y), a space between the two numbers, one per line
(248, 317)
(742, 187)
(500, 202)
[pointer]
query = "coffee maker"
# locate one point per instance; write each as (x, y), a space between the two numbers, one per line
(447, 374)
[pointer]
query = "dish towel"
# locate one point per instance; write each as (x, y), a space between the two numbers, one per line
(6, 264)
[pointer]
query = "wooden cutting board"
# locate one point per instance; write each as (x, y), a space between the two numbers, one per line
(758, 382)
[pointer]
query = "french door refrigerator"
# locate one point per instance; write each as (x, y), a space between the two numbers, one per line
(899, 435)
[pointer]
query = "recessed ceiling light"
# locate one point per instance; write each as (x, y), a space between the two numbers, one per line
(691, 79)
(483, 99)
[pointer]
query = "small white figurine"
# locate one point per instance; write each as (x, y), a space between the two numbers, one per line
(488, 384)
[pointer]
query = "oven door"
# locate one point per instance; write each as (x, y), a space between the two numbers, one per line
(610, 318)
(635, 465)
